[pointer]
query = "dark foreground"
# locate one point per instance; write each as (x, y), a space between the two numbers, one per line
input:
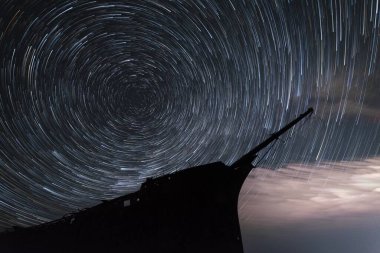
(194, 210)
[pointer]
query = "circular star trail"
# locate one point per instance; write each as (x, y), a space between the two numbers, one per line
(96, 96)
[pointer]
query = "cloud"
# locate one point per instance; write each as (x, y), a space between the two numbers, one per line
(338, 192)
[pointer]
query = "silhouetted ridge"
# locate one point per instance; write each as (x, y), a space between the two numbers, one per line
(193, 210)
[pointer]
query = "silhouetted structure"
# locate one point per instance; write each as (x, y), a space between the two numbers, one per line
(193, 210)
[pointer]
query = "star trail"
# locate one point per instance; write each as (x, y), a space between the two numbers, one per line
(97, 96)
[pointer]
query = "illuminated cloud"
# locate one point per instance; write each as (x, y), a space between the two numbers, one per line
(329, 192)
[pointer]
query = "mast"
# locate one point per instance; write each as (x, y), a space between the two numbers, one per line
(248, 158)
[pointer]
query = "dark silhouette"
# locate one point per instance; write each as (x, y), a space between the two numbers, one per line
(193, 210)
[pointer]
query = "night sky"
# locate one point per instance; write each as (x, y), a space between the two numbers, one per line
(96, 96)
